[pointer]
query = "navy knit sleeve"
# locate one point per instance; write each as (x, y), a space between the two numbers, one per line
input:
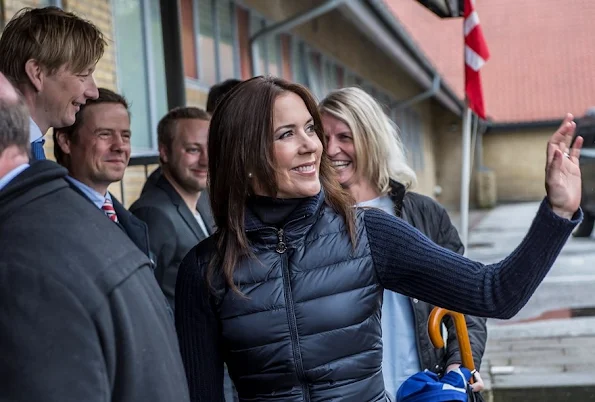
(409, 263)
(199, 333)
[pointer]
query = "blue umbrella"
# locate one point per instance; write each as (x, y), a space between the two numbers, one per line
(426, 386)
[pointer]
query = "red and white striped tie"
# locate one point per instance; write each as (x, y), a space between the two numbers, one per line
(109, 210)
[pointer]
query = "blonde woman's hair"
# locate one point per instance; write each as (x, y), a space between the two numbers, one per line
(378, 146)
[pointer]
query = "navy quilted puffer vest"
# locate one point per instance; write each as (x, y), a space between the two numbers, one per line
(310, 327)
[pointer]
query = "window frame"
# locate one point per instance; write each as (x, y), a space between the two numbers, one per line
(55, 3)
(264, 49)
(409, 123)
(346, 71)
(199, 83)
(150, 82)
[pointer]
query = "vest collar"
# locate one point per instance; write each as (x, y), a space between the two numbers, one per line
(296, 225)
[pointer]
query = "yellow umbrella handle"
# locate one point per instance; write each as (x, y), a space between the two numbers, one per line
(434, 330)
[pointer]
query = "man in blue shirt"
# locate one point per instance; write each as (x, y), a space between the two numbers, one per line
(96, 152)
(50, 56)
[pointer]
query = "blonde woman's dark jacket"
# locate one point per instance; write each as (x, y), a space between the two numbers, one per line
(430, 218)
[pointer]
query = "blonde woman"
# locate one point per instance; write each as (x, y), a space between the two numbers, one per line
(366, 151)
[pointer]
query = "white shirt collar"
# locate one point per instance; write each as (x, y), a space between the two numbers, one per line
(34, 131)
(12, 174)
(91, 193)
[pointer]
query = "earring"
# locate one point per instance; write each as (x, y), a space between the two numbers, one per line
(249, 175)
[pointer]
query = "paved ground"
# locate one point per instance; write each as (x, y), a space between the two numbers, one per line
(543, 346)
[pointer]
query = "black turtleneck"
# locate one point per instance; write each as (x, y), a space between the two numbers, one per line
(273, 211)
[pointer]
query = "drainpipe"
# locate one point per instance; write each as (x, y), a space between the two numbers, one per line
(479, 145)
(286, 25)
(172, 53)
(2, 15)
(430, 92)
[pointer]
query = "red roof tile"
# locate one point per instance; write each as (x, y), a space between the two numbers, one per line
(542, 54)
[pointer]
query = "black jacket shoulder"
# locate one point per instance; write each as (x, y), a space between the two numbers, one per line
(79, 300)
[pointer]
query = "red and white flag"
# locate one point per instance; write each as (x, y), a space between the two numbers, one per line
(476, 54)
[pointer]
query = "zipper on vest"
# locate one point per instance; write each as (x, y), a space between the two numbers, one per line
(281, 246)
(295, 342)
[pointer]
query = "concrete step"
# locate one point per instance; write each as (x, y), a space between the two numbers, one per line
(545, 394)
(543, 387)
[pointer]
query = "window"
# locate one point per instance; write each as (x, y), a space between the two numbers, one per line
(140, 67)
(410, 129)
(286, 67)
(274, 55)
(329, 78)
(206, 43)
(350, 80)
(385, 101)
(370, 89)
(157, 72)
(227, 53)
(256, 24)
(45, 3)
(188, 48)
(209, 32)
(299, 64)
(269, 49)
(318, 72)
(340, 74)
(315, 74)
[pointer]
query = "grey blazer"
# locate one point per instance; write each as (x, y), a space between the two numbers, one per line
(173, 229)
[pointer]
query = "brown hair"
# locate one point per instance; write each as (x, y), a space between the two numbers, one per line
(51, 36)
(241, 142)
(218, 92)
(167, 125)
(105, 96)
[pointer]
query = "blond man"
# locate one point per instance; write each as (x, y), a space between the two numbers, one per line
(50, 56)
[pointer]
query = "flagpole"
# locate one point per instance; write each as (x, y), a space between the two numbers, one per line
(465, 176)
(476, 53)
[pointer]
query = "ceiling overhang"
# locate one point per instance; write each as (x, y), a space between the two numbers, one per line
(444, 8)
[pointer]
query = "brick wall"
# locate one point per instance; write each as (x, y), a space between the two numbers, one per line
(12, 6)
(196, 97)
(99, 12)
(134, 180)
